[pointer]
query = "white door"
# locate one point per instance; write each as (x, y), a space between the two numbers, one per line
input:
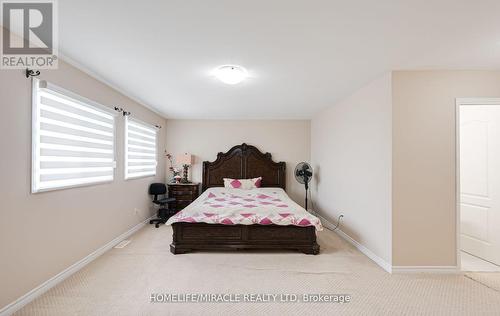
(480, 181)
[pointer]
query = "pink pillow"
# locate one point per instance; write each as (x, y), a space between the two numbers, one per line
(244, 184)
(258, 182)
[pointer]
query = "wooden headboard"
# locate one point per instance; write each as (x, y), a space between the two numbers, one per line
(244, 162)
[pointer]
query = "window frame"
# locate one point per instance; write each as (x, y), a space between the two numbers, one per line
(35, 132)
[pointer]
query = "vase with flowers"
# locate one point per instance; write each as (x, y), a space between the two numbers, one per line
(176, 173)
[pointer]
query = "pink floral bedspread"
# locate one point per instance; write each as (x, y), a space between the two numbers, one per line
(263, 206)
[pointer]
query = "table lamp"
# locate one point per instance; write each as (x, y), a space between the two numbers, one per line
(186, 160)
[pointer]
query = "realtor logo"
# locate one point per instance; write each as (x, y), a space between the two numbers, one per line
(29, 34)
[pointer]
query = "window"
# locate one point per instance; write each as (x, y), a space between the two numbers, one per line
(140, 149)
(73, 139)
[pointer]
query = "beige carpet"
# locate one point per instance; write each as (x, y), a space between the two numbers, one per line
(121, 281)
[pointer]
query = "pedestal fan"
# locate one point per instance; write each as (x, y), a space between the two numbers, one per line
(303, 174)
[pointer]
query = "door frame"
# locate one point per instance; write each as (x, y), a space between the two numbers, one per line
(459, 102)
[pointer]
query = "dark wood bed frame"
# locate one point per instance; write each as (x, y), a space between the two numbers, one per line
(243, 162)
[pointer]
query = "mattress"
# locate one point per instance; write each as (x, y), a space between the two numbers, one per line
(262, 206)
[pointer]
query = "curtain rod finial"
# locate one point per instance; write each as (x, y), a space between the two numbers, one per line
(31, 73)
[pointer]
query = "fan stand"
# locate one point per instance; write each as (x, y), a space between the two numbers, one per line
(306, 184)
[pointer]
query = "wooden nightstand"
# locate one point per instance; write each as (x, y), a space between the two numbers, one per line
(184, 194)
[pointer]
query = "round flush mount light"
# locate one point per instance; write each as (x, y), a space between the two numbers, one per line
(230, 74)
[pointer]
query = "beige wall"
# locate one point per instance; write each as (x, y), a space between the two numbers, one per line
(42, 234)
(351, 154)
(287, 141)
(424, 213)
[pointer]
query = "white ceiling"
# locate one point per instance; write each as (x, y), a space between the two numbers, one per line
(302, 55)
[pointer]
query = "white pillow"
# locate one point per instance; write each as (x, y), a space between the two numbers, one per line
(244, 184)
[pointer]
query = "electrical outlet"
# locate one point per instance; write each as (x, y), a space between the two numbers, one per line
(136, 211)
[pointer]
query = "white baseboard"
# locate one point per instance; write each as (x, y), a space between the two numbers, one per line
(367, 252)
(426, 269)
(47, 285)
(384, 264)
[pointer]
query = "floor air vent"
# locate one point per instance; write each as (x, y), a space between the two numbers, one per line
(123, 244)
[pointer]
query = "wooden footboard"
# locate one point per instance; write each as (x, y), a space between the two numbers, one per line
(200, 236)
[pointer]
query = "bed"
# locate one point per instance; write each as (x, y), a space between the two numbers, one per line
(210, 223)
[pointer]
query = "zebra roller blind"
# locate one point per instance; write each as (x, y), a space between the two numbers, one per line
(73, 140)
(140, 149)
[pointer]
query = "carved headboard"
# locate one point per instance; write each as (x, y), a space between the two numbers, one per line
(244, 162)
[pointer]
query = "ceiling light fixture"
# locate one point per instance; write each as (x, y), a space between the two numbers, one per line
(230, 74)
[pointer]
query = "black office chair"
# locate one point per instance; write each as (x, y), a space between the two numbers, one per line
(164, 212)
